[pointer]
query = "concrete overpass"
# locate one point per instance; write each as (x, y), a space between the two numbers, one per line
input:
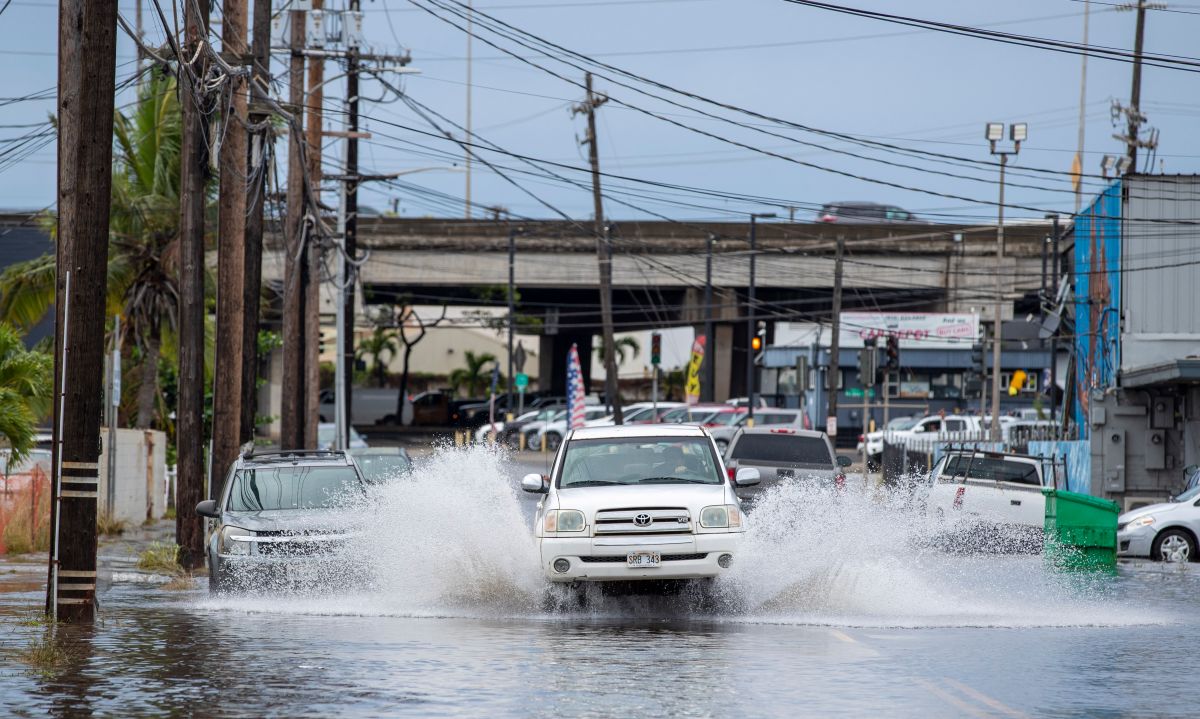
(659, 273)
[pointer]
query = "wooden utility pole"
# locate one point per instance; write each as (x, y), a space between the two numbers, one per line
(603, 251)
(87, 49)
(1134, 112)
(260, 139)
(350, 239)
(291, 409)
(835, 368)
(189, 417)
(312, 297)
(231, 256)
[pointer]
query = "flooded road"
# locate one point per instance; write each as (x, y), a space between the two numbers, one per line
(839, 612)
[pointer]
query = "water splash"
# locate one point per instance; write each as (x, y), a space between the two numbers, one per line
(451, 539)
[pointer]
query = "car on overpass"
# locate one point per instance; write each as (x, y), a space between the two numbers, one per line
(637, 502)
(864, 213)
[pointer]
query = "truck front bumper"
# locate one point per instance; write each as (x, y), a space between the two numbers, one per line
(605, 559)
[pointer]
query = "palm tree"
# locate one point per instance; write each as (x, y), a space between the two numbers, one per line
(381, 342)
(25, 392)
(619, 346)
(472, 377)
(143, 234)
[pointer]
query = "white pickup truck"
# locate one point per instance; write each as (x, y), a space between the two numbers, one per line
(952, 428)
(989, 501)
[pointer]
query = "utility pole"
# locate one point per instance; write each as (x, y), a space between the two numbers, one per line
(87, 49)
(835, 344)
(512, 314)
(193, 180)
(295, 262)
(231, 257)
(751, 325)
(314, 100)
(469, 138)
(708, 394)
(603, 251)
(1083, 58)
(1135, 93)
(256, 161)
(350, 228)
(1053, 293)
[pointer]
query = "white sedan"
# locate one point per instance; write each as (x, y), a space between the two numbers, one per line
(1164, 532)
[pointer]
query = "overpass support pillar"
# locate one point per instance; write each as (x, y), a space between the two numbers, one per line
(552, 360)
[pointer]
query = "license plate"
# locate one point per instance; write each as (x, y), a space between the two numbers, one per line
(643, 559)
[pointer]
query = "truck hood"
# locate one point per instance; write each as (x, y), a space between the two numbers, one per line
(292, 520)
(695, 497)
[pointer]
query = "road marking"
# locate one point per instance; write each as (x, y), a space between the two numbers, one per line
(985, 699)
(950, 698)
(843, 636)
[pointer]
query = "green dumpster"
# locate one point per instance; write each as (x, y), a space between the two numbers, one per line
(1080, 530)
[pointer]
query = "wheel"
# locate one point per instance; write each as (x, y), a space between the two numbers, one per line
(722, 445)
(532, 442)
(553, 439)
(1173, 545)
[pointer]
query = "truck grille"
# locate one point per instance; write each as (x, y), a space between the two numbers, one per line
(648, 520)
(622, 558)
(297, 544)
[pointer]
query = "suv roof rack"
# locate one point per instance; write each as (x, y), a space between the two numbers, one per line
(293, 453)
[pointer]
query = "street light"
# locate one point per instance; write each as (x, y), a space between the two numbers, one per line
(750, 317)
(1017, 133)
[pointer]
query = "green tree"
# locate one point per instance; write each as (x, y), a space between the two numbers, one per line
(25, 391)
(381, 346)
(620, 346)
(472, 377)
(674, 382)
(143, 239)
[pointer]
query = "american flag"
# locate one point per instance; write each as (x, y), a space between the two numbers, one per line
(575, 388)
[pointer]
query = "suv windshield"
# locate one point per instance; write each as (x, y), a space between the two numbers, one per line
(291, 487)
(958, 466)
(783, 448)
(639, 460)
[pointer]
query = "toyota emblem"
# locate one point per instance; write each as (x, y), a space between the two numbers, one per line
(643, 520)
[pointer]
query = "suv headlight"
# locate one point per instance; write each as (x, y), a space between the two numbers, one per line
(229, 545)
(564, 520)
(721, 516)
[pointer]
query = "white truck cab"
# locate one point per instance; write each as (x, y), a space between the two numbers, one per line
(995, 489)
(638, 502)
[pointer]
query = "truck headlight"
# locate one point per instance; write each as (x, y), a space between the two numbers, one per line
(721, 516)
(229, 545)
(563, 520)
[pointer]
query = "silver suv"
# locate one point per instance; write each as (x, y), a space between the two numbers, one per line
(278, 512)
(784, 454)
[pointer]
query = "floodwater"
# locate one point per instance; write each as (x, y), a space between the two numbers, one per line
(836, 608)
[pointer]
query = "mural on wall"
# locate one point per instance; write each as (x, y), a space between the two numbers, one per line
(1097, 298)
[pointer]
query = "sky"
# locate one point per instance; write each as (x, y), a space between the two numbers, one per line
(920, 90)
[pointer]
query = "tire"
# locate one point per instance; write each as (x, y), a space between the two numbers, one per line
(218, 579)
(1173, 545)
(532, 442)
(552, 440)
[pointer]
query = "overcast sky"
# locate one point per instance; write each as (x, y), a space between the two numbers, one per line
(920, 89)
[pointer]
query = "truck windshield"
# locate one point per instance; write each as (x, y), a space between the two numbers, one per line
(292, 487)
(639, 460)
(1000, 470)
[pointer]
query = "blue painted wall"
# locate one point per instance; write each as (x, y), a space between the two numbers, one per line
(1097, 298)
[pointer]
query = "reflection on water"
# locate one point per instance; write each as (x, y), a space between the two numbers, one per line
(817, 618)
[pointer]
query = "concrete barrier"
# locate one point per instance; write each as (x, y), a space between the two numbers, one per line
(140, 477)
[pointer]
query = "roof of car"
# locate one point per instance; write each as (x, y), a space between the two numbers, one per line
(776, 429)
(639, 430)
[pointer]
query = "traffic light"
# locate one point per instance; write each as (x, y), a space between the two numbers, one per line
(1017, 383)
(893, 352)
(756, 343)
(802, 373)
(977, 356)
(321, 343)
(867, 365)
(760, 337)
(655, 348)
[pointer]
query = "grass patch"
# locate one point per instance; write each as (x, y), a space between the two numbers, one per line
(35, 619)
(25, 519)
(161, 558)
(109, 526)
(181, 583)
(49, 653)
(170, 513)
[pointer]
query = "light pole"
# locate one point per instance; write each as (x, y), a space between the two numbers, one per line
(994, 132)
(708, 393)
(512, 315)
(750, 325)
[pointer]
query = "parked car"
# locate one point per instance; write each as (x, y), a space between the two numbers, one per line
(989, 501)
(379, 465)
(529, 428)
(638, 502)
(370, 405)
(952, 427)
(635, 413)
(766, 417)
(326, 431)
(708, 415)
(866, 213)
(783, 454)
(1164, 532)
(554, 431)
(278, 511)
(873, 441)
